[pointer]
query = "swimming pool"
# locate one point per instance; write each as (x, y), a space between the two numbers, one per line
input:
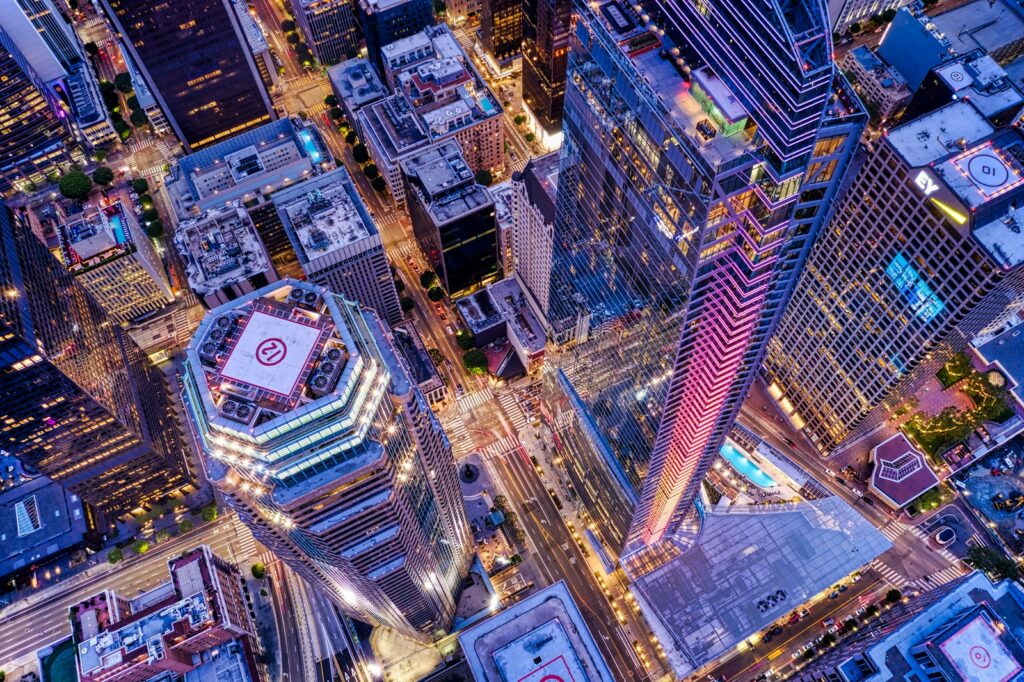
(486, 105)
(748, 469)
(310, 145)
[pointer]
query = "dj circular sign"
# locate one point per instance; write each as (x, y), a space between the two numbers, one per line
(980, 656)
(271, 352)
(987, 170)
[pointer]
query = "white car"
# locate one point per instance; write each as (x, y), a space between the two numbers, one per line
(448, 328)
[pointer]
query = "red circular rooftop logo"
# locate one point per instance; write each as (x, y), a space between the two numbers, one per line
(980, 656)
(551, 678)
(271, 352)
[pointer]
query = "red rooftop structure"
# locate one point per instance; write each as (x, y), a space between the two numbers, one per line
(901, 473)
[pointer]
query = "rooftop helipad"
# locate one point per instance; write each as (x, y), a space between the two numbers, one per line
(271, 352)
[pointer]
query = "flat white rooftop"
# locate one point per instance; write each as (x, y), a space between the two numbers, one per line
(271, 353)
(980, 174)
(936, 135)
(325, 218)
(977, 652)
(540, 639)
(1003, 238)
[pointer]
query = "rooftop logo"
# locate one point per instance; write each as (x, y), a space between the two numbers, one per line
(271, 352)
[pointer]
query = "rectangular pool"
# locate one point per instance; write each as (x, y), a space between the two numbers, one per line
(750, 471)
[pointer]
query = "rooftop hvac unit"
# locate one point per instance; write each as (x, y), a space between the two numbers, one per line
(311, 298)
(208, 351)
(334, 354)
(225, 322)
(228, 408)
(244, 413)
(295, 295)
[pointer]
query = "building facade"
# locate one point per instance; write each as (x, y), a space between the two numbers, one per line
(80, 403)
(337, 242)
(880, 86)
(501, 29)
(110, 255)
(195, 57)
(545, 55)
(315, 434)
(385, 21)
(922, 253)
(687, 200)
(452, 217)
(330, 28)
(533, 224)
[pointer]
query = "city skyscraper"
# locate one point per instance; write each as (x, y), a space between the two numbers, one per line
(79, 402)
(545, 47)
(329, 27)
(385, 21)
(501, 29)
(689, 193)
(923, 252)
(312, 429)
(195, 58)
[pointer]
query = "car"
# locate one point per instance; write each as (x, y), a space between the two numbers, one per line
(944, 536)
(868, 501)
(789, 442)
(834, 595)
(793, 618)
(572, 560)
(828, 622)
(448, 328)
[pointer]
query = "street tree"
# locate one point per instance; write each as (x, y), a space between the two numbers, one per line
(378, 184)
(123, 82)
(474, 361)
(359, 153)
(435, 294)
(75, 185)
(428, 278)
(103, 176)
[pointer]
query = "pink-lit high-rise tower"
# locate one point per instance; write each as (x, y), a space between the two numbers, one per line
(703, 144)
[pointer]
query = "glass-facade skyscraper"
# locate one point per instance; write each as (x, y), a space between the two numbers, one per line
(194, 56)
(79, 402)
(545, 36)
(703, 145)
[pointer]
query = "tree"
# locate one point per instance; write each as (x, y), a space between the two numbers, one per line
(259, 571)
(330, 101)
(378, 184)
(123, 82)
(107, 87)
(855, 27)
(103, 176)
(140, 185)
(133, 103)
(337, 114)
(474, 361)
(150, 214)
(484, 177)
(154, 229)
(351, 137)
(288, 26)
(439, 7)
(91, 49)
(407, 303)
(185, 525)
(123, 129)
(115, 555)
(519, 536)
(828, 640)
(138, 118)
(893, 596)
(428, 278)
(370, 171)
(140, 546)
(75, 185)
(888, 15)
(809, 654)
(992, 562)
(465, 340)
(435, 294)
(520, 119)
(209, 513)
(435, 356)
(163, 536)
(294, 39)
(360, 154)
(99, 155)
(529, 137)
(500, 503)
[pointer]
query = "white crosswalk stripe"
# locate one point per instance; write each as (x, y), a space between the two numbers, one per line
(894, 530)
(475, 399)
(246, 542)
(153, 171)
(501, 447)
(938, 579)
(508, 403)
(458, 434)
(889, 575)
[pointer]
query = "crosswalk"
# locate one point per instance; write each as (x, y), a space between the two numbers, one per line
(894, 530)
(936, 579)
(475, 399)
(500, 448)
(153, 171)
(511, 407)
(889, 574)
(458, 434)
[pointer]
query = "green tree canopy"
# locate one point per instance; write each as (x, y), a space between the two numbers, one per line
(992, 562)
(465, 339)
(407, 303)
(519, 119)
(330, 101)
(91, 49)
(893, 596)
(435, 294)
(287, 25)
(154, 229)
(427, 278)
(75, 185)
(209, 513)
(359, 153)
(351, 137)
(115, 555)
(337, 114)
(293, 38)
(259, 571)
(379, 184)
(140, 185)
(484, 177)
(102, 176)
(150, 214)
(474, 361)
(123, 82)
(370, 171)
(529, 137)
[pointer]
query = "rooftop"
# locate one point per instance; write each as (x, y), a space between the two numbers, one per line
(253, 34)
(95, 237)
(980, 79)
(503, 194)
(982, 173)
(940, 133)
(1007, 351)
(541, 178)
(395, 124)
(750, 566)
(985, 24)
(325, 214)
(479, 312)
(901, 473)
(220, 248)
(509, 298)
(973, 632)
(538, 639)
(446, 179)
(417, 359)
(356, 81)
